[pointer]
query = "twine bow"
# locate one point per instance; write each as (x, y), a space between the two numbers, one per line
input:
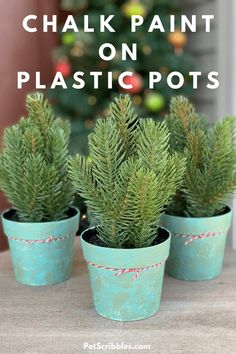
(191, 238)
(121, 271)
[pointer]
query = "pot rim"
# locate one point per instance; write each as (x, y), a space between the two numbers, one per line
(124, 249)
(3, 217)
(229, 211)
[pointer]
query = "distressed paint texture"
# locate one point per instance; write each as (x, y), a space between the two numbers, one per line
(121, 297)
(202, 258)
(40, 264)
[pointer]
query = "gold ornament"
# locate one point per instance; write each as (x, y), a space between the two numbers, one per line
(92, 100)
(89, 124)
(78, 49)
(103, 64)
(137, 100)
(146, 50)
(164, 70)
(177, 39)
(116, 74)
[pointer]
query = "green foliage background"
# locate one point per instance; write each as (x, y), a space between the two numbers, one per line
(155, 53)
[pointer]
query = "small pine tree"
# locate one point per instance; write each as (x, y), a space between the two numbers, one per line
(129, 176)
(210, 176)
(33, 164)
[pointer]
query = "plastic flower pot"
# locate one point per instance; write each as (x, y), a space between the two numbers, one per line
(41, 252)
(197, 245)
(126, 283)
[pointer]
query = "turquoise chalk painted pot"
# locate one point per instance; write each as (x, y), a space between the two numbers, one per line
(41, 252)
(192, 255)
(121, 292)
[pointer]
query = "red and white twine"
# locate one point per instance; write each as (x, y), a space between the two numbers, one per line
(191, 238)
(120, 271)
(47, 240)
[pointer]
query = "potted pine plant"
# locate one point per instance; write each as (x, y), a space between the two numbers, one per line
(199, 217)
(42, 223)
(127, 180)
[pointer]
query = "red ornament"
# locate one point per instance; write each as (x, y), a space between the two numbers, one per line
(136, 81)
(64, 67)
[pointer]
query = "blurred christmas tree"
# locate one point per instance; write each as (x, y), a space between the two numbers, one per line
(163, 52)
